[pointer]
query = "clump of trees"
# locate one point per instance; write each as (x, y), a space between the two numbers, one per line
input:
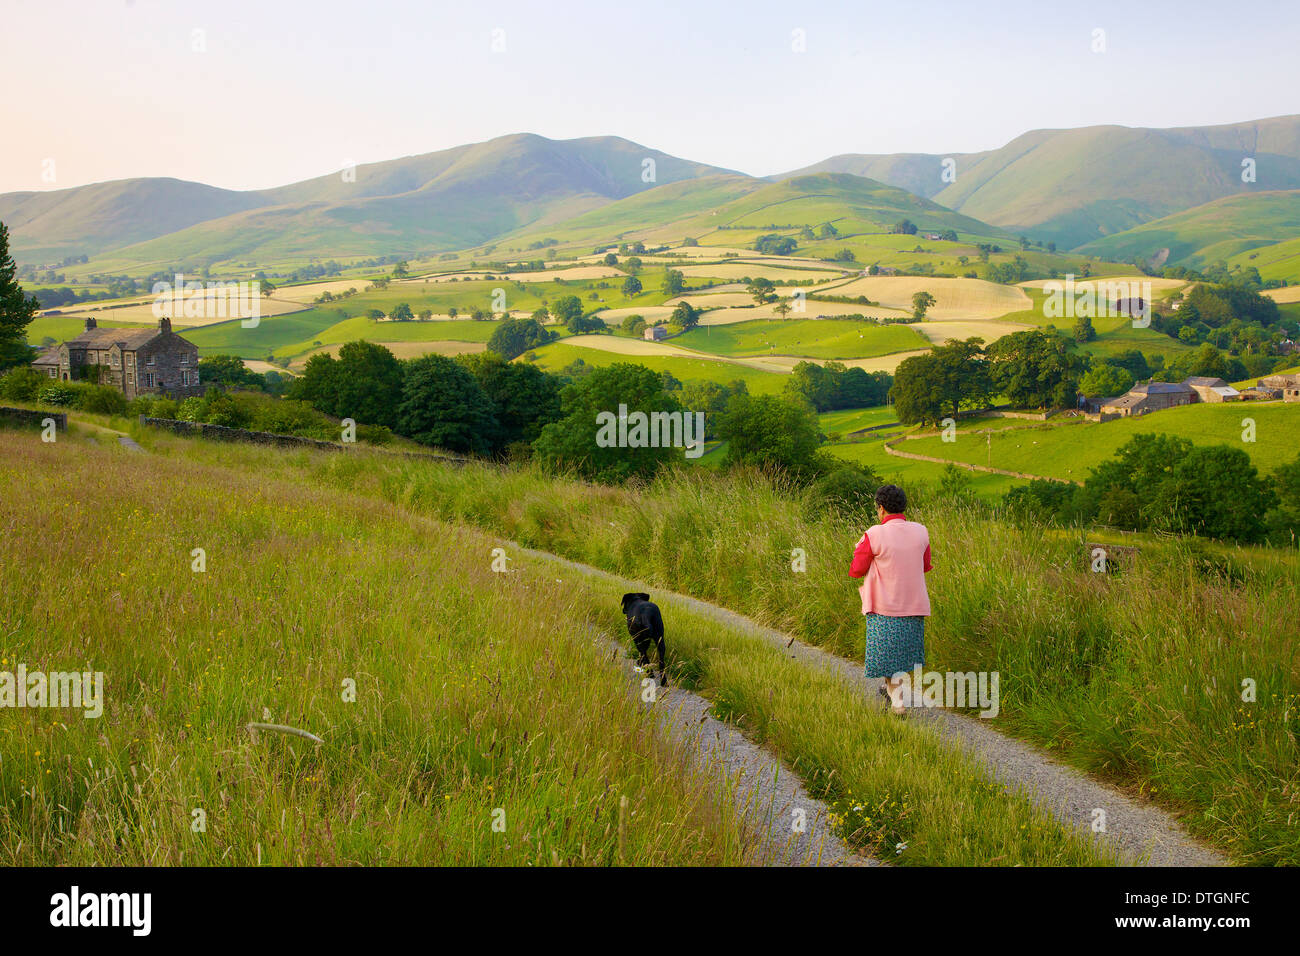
(1165, 483)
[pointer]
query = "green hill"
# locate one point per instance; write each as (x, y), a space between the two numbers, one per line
(1078, 185)
(919, 173)
(86, 220)
(1224, 229)
(449, 199)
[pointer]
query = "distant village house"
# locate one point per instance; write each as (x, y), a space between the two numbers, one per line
(136, 361)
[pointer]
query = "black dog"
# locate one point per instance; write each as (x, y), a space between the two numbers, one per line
(645, 624)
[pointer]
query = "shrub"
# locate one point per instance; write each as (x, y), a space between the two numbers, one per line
(849, 489)
(58, 394)
(22, 384)
(103, 399)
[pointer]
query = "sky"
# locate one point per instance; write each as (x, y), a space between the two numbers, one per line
(249, 95)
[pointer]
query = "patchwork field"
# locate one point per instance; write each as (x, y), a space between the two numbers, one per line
(1070, 450)
(824, 339)
(954, 298)
(557, 355)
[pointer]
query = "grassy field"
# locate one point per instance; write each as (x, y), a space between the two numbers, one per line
(1070, 450)
(557, 355)
(1135, 683)
(466, 705)
(847, 420)
(814, 338)
(457, 710)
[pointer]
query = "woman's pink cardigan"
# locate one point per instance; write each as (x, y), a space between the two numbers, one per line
(894, 556)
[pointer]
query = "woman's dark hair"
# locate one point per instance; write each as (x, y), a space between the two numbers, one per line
(892, 499)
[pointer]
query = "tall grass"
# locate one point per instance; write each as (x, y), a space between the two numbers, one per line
(472, 691)
(1139, 677)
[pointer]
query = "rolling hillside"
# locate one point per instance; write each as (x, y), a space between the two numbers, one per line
(1225, 229)
(452, 198)
(86, 220)
(1079, 185)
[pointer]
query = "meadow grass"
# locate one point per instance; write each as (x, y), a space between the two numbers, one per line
(1071, 450)
(557, 355)
(473, 690)
(1137, 677)
(813, 338)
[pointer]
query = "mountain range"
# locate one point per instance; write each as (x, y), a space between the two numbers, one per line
(1104, 189)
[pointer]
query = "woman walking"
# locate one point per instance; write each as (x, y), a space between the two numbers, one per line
(893, 557)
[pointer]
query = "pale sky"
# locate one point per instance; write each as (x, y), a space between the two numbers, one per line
(282, 91)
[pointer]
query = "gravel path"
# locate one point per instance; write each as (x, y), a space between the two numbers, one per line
(765, 791)
(1140, 833)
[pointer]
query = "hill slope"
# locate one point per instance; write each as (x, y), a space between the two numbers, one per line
(1218, 230)
(1076, 186)
(452, 198)
(46, 226)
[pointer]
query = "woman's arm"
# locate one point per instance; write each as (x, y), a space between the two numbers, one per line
(861, 558)
(926, 559)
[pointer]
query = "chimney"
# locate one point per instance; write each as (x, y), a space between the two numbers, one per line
(164, 324)
(90, 323)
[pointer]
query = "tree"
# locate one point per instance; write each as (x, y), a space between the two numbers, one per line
(364, 383)
(768, 432)
(685, 315)
(1036, 369)
(514, 337)
(401, 270)
(774, 245)
(401, 312)
(762, 290)
(1212, 491)
(1106, 381)
(1083, 330)
(444, 406)
(566, 308)
(610, 259)
(572, 441)
(631, 286)
(674, 282)
(782, 307)
(16, 308)
(930, 387)
(827, 231)
(633, 324)
(904, 227)
(228, 371)
(632, 264)
(921, 302)
(524, 398)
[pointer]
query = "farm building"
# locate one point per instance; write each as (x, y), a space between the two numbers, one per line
(1212, 389)
(655, 333)
(1288, 385)
(137, 361)
(1147, 398)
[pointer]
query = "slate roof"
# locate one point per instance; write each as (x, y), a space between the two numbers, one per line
(129, 339)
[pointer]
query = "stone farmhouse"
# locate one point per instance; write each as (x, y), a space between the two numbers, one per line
(1146, 398)
(1285, 387)
(136, 361)
(1156, 396)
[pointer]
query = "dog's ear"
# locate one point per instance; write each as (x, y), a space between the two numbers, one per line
(644, 597)
(628, 599)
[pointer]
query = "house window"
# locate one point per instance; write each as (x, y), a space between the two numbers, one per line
(185, 358)
(151, 358)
